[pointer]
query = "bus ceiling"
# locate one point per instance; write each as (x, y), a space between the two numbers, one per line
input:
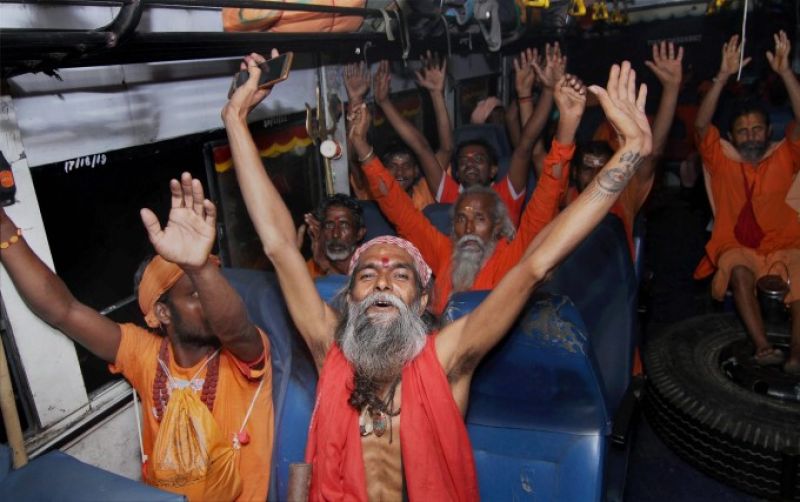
(390, 32)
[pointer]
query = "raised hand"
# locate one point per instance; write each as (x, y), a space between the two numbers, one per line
(779, 60)
(524, 76)
(570, 96)
(359, 120)
(248, 95)
(624, 107)
(730, 58)
(667, 64)
(356, 81)
(382, 82)
(189, 235)
(555, 66)
(314, 229)
(433, 74)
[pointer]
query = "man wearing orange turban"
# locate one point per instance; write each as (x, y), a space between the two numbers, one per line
(202, 350)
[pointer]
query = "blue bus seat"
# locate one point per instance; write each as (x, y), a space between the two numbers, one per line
(440, 215)
(537, 417)
(328, 286)
(58, 476)
(294, 377)
(375, 221)
(599, 278)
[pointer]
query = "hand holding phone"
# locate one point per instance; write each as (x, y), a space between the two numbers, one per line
(272, 71)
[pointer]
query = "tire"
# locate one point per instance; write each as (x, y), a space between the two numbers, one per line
(731, 433)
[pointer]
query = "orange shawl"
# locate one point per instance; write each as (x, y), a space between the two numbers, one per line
(437, 455)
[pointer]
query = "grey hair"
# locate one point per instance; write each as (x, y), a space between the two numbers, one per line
(500, 213)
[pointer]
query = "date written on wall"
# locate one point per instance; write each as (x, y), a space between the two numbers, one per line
(90, 161)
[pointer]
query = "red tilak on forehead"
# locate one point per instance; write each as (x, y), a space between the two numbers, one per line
(385, 261)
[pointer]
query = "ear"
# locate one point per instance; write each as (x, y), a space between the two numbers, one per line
(423, 302)
(492, 172)
(361, 233)
(163, 314)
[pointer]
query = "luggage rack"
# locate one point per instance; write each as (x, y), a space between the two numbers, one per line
(120, 42)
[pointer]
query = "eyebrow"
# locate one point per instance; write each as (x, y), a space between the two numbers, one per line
(373, 266)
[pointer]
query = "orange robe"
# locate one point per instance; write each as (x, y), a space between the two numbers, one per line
(137, 359)
(420, 193)
(773, 177)
(437, 248)
(437, 455)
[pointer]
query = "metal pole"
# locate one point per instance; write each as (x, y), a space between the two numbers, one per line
(8, 408)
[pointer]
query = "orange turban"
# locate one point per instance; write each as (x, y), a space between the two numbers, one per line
(159, 276)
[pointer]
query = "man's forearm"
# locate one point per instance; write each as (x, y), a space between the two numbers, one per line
(443, 126)
(793, 90)
(664, 116)
(709, 104)
(269, 214)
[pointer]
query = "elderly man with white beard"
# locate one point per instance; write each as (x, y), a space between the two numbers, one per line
(483, 246)
(388, 421)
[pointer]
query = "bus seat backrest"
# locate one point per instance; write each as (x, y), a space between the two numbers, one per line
(294, 376)
(439, 214)
(329, 285)
(599, 279)
(376, 222)
(58, 476)
(537, 413)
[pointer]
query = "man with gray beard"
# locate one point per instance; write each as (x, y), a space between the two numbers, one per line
(405, 368)
(756, 233)
(482, 246)
(335, 228)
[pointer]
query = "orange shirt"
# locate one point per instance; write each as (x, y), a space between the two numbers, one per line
(314, 270)
(236, 387)
(773, 177)
(420, 193)
(437, 248)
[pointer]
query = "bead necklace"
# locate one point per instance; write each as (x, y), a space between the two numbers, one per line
(161, 391)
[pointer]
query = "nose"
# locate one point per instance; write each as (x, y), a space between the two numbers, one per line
(337, 232)
(382, 284)
(469, 227)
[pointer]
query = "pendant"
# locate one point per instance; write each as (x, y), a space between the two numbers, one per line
(364, 427)
(243, 437)
(379, 423)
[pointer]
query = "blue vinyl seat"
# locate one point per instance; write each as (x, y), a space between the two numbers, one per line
(58, 476)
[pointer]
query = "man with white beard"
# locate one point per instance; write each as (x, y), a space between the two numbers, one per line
(483, 246)
(379, 361)
(335, 229)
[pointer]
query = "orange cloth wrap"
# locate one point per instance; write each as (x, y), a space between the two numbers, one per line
(437, 455)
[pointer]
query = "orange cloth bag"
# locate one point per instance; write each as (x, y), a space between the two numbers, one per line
(292, 21)
(191, 456)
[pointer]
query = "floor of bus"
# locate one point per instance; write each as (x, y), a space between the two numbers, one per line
(674, 240)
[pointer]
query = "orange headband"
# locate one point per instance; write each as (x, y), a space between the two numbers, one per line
(159, 276)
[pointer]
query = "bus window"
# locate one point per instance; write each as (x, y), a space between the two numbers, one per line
(290, 159)
(90, 208)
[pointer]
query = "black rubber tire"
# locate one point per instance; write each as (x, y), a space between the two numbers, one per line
(727, 431)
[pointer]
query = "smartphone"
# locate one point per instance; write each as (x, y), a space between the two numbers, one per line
(272, 71)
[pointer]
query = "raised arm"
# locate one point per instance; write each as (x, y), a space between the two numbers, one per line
(461, 344)
(727, 67)
(524, 78)
(314, 319)
(187, 240)
(779, 62)
(410, 135)
(667, 64)
(433, 77)
(48, 297)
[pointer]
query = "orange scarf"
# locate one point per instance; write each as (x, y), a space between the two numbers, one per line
(437, 455)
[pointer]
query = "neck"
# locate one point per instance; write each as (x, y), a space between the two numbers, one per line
(188, 354)
(341, 266)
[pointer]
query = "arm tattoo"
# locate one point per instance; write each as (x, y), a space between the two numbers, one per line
(610, 182)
